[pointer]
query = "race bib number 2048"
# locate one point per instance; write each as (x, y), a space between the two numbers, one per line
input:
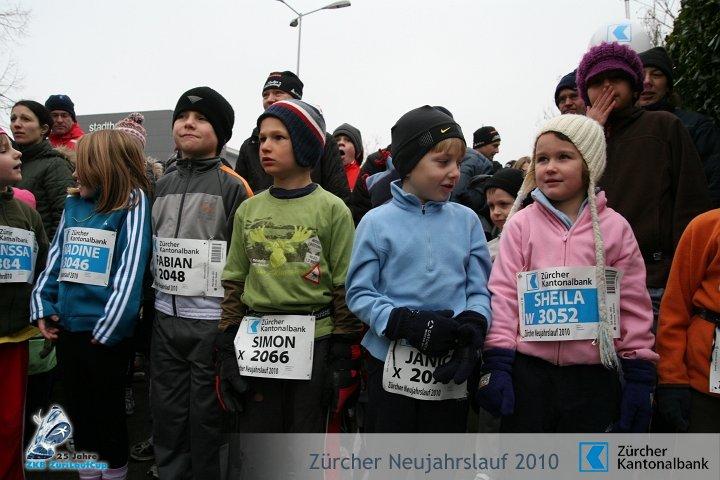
(189, 267)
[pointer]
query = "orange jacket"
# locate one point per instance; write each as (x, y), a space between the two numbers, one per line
(685, 340)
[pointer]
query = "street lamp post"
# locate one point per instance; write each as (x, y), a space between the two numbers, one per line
(297, 22)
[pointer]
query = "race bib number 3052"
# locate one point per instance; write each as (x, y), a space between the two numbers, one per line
(561, 303)
(276, 346)
(409, 373)
(87, 256)
(189, 267)
(18, 250)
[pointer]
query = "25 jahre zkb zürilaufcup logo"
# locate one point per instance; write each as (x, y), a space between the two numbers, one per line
(53, 430)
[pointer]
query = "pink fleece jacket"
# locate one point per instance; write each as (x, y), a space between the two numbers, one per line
(533, 239)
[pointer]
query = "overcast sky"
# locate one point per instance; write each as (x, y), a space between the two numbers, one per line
(491, 62)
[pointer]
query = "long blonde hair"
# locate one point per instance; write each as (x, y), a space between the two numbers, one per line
(113, 163)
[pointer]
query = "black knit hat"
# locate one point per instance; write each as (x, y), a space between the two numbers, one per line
(216, 109)
(485, 135)
(507, 179)
(658, 57)
(354, 135)
(286, 81)
(61, 102)
(416, 133)
(568, 81)
(40, 111)
(306, 127)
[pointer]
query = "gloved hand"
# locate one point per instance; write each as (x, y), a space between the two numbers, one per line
(674, 403)
(637, 396)
(229, 384)
(495, 392)
(343, 387)
(471, 337)
(432, 332)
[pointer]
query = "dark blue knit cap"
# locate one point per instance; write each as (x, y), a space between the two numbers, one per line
(305, 125)
(568, 81)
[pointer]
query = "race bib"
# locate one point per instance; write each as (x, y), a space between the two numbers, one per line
(87, 256)
(410, 373)
(558, 304)
(18, 250)
(715, 364)
(189, 267)
(276, 346)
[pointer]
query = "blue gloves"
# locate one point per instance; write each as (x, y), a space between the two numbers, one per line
(637, 396)
(495, 393)
(432, 332)
(470, 338)
(674, 403)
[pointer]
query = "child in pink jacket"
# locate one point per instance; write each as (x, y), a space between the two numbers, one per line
(570, 349)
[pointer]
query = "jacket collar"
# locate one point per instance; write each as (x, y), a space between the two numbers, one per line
(36, 150)
(408, 201)
(544, 202)
(621, 118)
(185, 165)
(75, 132)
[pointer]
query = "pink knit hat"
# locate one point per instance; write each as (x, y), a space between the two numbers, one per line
(132, 124)
(606, 57)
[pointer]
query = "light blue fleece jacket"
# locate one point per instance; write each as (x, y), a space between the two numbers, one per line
(426, 257)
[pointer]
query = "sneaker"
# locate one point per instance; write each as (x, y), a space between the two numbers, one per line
(129, 401)
(142, 451)
(153, 472)
(53, 430)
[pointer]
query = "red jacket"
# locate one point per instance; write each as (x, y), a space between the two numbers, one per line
(68, 140)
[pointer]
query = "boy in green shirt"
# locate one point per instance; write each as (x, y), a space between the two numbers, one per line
(284, 316)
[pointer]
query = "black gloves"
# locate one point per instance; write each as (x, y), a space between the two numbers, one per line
(432, 332)
(229, 385)
(470, 337)
(673, 404)
(344, 371)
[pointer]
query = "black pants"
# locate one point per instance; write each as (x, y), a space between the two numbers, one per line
(95, 401)
(393, 413)
(570, 399)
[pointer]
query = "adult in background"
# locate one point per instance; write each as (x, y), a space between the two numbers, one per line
(654, 177)
(47, 174)
(328, 172)
(65, 130)
(658, 95)
(567, 98)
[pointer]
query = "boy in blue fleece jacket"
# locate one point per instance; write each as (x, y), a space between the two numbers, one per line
(418, 278)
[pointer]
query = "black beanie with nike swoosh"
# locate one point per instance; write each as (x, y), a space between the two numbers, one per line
(416, 133)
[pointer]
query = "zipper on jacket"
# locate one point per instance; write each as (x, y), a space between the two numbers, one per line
(177, 224)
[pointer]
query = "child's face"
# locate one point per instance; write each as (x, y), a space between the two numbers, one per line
(500, 203)
(194, 136)
(276, 151)
(559, 169)
(10, 172)
(619, 85)
(86, 191)
(347, 149)
(434, 177)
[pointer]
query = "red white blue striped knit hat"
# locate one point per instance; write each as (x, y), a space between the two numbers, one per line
(305, 125)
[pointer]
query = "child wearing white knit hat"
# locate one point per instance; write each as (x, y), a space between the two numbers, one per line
(571, 347)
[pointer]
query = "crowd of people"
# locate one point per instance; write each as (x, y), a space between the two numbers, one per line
(309, 289)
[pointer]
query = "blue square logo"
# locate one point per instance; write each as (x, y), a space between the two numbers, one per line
(593, 457)
(253, 325)
(532, 282)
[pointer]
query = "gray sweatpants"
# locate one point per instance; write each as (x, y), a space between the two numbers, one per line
(187, 418)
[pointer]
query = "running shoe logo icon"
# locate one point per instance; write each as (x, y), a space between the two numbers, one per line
(52, 431)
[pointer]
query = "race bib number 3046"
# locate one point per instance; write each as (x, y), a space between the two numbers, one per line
(18, 250)
(561, 303)
(276, 346)
(189, 267)
(87, 256)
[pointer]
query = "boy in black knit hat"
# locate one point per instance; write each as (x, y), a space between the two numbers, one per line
(418, 279)
(192, 227)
